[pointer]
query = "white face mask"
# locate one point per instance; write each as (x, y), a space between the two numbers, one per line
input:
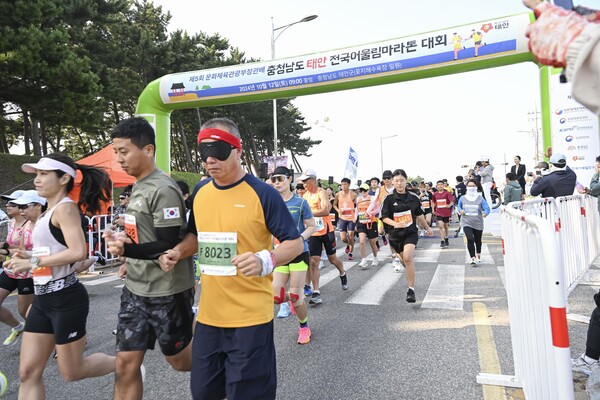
(471, 190)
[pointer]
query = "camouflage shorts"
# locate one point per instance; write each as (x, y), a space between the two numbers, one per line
(144, 320)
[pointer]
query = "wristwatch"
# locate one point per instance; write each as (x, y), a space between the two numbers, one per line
(35, 262)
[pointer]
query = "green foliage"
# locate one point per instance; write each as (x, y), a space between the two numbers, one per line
(72, 69)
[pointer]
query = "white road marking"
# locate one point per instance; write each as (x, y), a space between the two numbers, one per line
(446, 290)
(109, 278)
(486, 256)
(428, 255)
(372, 292)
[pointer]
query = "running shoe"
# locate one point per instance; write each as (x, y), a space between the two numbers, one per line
(442, 244)
(446, 242)
(347, 248)
(410, 296)
(308, 291)
(385, 241)
(15, 333)
(315, 298)
(581, 365)
(375, 262)
(101, 259)
(344, 279)
(304, 335)
(398, 267)
(473, 262)
(3, 384)
(350, 256)
(284, 310)
(363, 263)
(321, 265)
(479, 261)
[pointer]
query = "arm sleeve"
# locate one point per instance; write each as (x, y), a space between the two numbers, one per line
(459, 206)
(167, 238)
(485, 207)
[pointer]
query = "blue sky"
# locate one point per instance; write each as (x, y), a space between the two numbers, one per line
(441, 123)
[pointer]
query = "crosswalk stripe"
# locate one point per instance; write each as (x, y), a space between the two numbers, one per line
(446, 290)
(428, 255)
(502, 273)
(373, 291)
(109, 278)
(334, 273)
(486, 256)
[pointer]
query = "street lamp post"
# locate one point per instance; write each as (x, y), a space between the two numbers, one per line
(273, 39)
(381, 138)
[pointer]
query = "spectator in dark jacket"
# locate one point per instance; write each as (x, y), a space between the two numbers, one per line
(560, 182)
(519, 170)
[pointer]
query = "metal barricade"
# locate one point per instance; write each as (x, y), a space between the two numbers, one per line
(576, 225)
(96, 225)
(535, 285)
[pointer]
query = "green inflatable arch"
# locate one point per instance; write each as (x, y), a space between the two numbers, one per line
(485, 44)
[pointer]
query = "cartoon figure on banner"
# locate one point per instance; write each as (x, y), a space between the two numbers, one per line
(457, 42)
(477, 37)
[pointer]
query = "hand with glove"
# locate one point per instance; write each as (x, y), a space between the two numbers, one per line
(553, 32)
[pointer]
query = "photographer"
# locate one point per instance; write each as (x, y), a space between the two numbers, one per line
(559, 182)
(567, 39)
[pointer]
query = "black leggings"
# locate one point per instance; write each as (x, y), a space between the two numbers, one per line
(593, 336)
(473, 239)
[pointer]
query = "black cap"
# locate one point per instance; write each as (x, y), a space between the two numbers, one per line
(387, 174)
(300, 186)
(282, 171)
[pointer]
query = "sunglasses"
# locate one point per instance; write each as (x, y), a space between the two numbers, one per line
(278, 178)
(9, 204)
(219, 150)
(25, 206)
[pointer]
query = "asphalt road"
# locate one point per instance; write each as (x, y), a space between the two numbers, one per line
(367, 343)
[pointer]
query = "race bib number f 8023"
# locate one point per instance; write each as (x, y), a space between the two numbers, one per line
(215, 251)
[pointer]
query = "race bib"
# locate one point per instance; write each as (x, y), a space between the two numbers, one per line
(347, 212)
(441, 203)
(471, 209)
(215, 251)
(332, 216)
(363, 218)
(319, 224)
(41, 275)
(131, 228)
(404, 218)
(425, 204)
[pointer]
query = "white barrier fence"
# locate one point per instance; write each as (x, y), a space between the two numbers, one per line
(96, 225)
(535, 285)
(576, 224)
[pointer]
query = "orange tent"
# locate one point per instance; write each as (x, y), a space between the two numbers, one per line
(106, 160)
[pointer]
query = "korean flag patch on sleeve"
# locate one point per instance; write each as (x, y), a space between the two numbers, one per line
(171, 213)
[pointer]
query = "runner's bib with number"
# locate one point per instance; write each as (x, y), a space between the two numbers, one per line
(425, 204)
(41, 275)
(471, 209)
(215, 251)
(404, 218)
(319, 224)
(441, 203)
(131, 228)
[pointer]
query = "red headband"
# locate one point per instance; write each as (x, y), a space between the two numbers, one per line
(219, 134)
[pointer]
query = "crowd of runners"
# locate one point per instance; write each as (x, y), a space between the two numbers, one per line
(258, 244)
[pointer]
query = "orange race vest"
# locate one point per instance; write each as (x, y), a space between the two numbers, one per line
(323, 223)
(345, 206)
(362, 206)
